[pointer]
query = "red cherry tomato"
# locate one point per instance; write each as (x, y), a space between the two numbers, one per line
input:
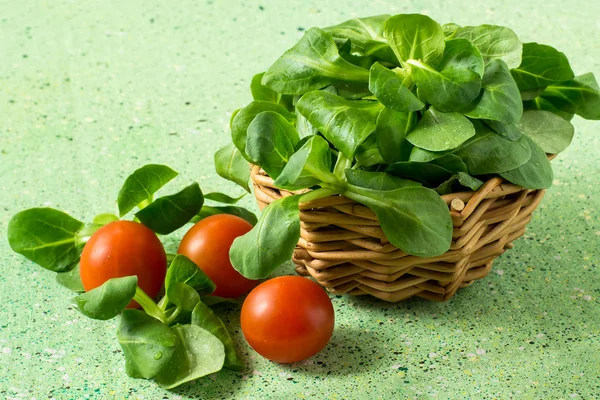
(124, 248)
(287, 319)
(207, 244)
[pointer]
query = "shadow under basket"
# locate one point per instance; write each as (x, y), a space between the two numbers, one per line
(344, 249)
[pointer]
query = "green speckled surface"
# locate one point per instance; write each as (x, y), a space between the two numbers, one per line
(91, 90)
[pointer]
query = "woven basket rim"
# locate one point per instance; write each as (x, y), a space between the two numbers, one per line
(492, 188)
(342, 245)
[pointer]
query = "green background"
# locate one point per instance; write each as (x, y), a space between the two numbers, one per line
(91, 90)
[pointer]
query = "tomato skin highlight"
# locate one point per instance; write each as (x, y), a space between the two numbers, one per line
(207, 244)
(124, 248)
(287, 319)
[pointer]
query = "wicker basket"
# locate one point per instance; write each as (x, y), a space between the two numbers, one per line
(344, 249)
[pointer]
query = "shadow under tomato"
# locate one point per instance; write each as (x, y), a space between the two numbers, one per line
(351, 351)
(226, 383)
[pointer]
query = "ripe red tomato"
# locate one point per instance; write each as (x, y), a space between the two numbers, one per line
(124, 248)
(287, 319)
(207, 244)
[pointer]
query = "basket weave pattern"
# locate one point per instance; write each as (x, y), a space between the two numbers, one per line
(344, 249)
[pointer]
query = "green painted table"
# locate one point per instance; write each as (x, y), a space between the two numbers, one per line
(89, 91)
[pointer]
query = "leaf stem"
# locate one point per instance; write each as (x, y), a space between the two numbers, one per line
(327, 178)
(173, 316)
(318, 194)
(163, 303)
(341, 165)
(408, 81)
(149, 305)
(145, 202)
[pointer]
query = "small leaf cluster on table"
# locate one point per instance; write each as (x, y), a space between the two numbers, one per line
(392, 112)
(174, 341)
